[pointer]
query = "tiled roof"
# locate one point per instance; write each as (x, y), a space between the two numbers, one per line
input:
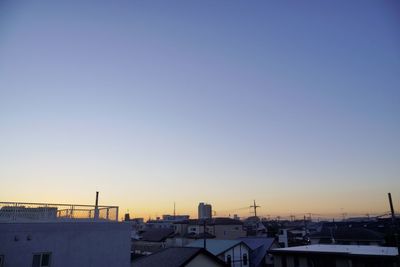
(157, 234)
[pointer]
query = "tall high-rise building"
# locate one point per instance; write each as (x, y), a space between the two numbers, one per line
(204, 211)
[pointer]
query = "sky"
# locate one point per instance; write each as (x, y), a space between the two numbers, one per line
(294, 104)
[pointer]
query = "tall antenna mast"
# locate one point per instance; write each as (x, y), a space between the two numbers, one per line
(255, 208)
(174, 210)
(96, 206)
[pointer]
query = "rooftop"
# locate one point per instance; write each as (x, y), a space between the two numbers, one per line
(348, 233)
(216, 246)
(256, 242)
(157, 234)
(50, 212)
(341, 249)
(173, 257)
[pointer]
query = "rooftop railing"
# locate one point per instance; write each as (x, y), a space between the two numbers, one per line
(26, 212)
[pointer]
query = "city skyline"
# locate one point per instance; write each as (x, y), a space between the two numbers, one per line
(295, 105)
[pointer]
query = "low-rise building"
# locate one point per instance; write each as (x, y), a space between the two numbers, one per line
(219, 228)
(152, 240)
(62, 235)
(335, 256)
(346, 235)
(259, 250)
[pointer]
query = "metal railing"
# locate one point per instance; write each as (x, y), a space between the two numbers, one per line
(18, 211)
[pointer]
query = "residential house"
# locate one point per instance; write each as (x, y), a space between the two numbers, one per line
(62, 235)
(179, 257)
(293, 237)
(254, 226)
(152, 240)
(167, 221)
(219, 228)
(234, 252)
(259, 250)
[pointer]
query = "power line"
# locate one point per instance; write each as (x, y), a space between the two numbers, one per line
(255, 208)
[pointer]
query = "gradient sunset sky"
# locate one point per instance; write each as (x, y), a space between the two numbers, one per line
(293, 103)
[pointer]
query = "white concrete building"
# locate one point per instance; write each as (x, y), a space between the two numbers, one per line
(204, 211)
(59, 241)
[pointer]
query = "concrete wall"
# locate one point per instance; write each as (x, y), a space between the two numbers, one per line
(70, 243)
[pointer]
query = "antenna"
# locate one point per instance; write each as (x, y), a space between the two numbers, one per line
(255, 208)
(174, 210)
(394, 223)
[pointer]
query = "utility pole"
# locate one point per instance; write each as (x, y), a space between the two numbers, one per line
(255, 208)
(174, 211)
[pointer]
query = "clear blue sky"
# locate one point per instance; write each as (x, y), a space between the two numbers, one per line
(295, 104)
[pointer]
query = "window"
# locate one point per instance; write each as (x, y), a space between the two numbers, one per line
(245, 259)
(41, 259)
(229, 260)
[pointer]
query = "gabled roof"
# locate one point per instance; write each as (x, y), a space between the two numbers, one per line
(216, 246)
(256, 242)
(157, 234)
(259, 248)
(174, 257)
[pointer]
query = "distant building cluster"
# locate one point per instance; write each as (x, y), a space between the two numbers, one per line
(44, 235)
